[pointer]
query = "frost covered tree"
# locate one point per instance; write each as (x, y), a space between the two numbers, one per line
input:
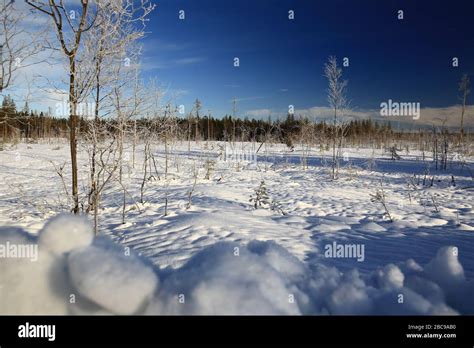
(69, 32)
(306, 138)
(111, 41)
(17, 45)
(19, 48)
(464, 88)
(197, 108)
(72, 23)
(337, 101)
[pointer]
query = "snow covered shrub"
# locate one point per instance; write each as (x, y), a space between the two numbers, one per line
(209, 167)
(393, 153)
(289, 143)
(371, 163)
(352, 171)
(379, 197)
(277, 207)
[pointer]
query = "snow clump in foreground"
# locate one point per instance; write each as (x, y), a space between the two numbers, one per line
(73, 273)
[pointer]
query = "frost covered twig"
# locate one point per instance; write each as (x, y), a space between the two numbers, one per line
(379, 197)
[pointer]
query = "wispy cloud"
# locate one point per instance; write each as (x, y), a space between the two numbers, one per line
(259, 113)
(153, 63)
(244, 99)
(189, 60)
(152, 45)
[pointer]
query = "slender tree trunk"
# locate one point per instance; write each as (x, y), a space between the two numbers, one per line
(208, 128)
(72, 130)
(189, 135)
(233, 131)
(134, 142)
(462, 115)
(334, 146)
(121, 135)
(95, 126)
(96, 213)
(166, 156)
(197, 130)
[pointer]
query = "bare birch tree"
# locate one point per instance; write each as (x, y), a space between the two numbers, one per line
(464, 88)
(337, 101)
(17, 44)
(111, 44)
(69, 33)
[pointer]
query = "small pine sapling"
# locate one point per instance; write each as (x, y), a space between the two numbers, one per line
(260, 198)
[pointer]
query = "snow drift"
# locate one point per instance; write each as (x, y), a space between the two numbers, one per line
(75, 274)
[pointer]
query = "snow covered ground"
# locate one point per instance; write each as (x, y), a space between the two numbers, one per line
(222, 256)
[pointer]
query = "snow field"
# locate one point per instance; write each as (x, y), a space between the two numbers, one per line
(186, 262)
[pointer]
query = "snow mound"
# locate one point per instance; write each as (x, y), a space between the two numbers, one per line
(372, 227)
(390, 277)
(445, 268)
(227, 278)
(65, 233)
(260, 277)
(112, 278)
(35, 283)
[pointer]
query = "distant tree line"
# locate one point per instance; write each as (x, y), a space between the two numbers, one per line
(17, 124)
(29, 125)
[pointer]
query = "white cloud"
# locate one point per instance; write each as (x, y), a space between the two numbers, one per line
(450, 116)
(429, 116)
(324, 112)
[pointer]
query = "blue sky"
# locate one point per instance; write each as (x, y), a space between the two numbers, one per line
(281, 60)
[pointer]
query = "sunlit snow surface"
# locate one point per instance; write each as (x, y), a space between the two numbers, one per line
(211, 258)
